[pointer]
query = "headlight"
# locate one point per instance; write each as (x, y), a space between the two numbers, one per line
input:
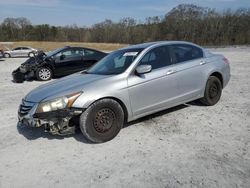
(57, 104)
(23, 69)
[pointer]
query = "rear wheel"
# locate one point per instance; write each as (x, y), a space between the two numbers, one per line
(102, 121)
(43, 74)
(212, 92)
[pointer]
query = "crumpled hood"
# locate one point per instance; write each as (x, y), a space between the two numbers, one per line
(29, 61)
(61, 87)
(34, 60)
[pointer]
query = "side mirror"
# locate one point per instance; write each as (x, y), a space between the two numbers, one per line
(142, 69)
(62, 57)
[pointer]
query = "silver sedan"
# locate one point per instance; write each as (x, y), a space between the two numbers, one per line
(20, 52)
(125, 85)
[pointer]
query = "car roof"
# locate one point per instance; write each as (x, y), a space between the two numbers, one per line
(149, 44)
(79, 47)
(22, 47)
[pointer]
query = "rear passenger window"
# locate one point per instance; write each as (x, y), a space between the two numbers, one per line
(157, 58)
(185, 52)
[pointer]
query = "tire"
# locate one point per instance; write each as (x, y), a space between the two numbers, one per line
(31, 54)
(213, 91)
(102, 121)
(44, 74)
(7, 55)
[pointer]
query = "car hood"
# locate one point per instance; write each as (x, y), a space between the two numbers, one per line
(29, 61)
(64, 86)
(34, 60)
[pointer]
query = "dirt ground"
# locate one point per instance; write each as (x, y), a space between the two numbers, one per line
(186, 146)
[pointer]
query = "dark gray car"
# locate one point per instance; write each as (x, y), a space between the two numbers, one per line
(125, 85)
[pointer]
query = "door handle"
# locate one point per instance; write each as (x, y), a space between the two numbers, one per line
(202, 62)
(171, 72)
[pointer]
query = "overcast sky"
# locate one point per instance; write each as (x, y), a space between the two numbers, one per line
(89, 12)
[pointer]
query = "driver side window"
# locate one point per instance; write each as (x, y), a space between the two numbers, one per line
(158, 57)
(70, 53)
(66, 53)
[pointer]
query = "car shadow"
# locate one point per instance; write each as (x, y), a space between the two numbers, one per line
(33, 133)
(35, 80)
(157, 114)
(29, 80)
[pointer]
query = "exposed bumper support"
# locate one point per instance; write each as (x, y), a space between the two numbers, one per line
(60, 122)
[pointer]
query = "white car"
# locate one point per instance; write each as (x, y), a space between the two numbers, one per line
(20, 52)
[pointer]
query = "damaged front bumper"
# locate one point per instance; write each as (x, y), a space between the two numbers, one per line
(60, 122)
(21, 74)
(18, 76)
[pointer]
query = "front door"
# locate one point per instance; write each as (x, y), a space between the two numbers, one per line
(68, 61)
(16, 52)
(157, 89)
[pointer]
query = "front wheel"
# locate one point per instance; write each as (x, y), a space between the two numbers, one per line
(7, 55)
(43, 74)
(102, 121)
(31, 54)
(213, 91)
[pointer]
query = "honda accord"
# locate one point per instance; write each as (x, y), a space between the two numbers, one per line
(125, 85)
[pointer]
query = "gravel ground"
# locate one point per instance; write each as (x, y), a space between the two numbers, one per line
(185, 146)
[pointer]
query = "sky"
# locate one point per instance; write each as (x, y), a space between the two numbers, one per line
(89, 12)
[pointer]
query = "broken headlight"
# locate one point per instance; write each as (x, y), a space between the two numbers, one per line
(58, 104)
(23, 69)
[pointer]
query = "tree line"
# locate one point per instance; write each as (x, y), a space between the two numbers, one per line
(187, 22)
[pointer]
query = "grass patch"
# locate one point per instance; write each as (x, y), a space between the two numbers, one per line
(48, 46)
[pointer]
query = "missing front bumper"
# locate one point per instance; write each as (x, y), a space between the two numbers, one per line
(18, 76)
(61, 122)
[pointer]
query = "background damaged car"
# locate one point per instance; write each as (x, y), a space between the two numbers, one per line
(60, 62)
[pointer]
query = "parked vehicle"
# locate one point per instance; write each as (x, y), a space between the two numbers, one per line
(1, 53)
(20, 52)
(125, 85)
(60, 62)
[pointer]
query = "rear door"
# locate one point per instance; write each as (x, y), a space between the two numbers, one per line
(189, 69)
(68, 61)
(25, 51)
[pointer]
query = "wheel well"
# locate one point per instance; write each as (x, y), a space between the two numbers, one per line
(46, 66)
(124, 108)
(218, 75)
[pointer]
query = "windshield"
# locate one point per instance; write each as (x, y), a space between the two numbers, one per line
(115, 63)
(51, 53)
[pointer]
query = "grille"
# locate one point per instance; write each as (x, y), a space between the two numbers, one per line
(25, 108)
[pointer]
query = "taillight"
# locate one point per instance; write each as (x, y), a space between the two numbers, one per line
(226, 60)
